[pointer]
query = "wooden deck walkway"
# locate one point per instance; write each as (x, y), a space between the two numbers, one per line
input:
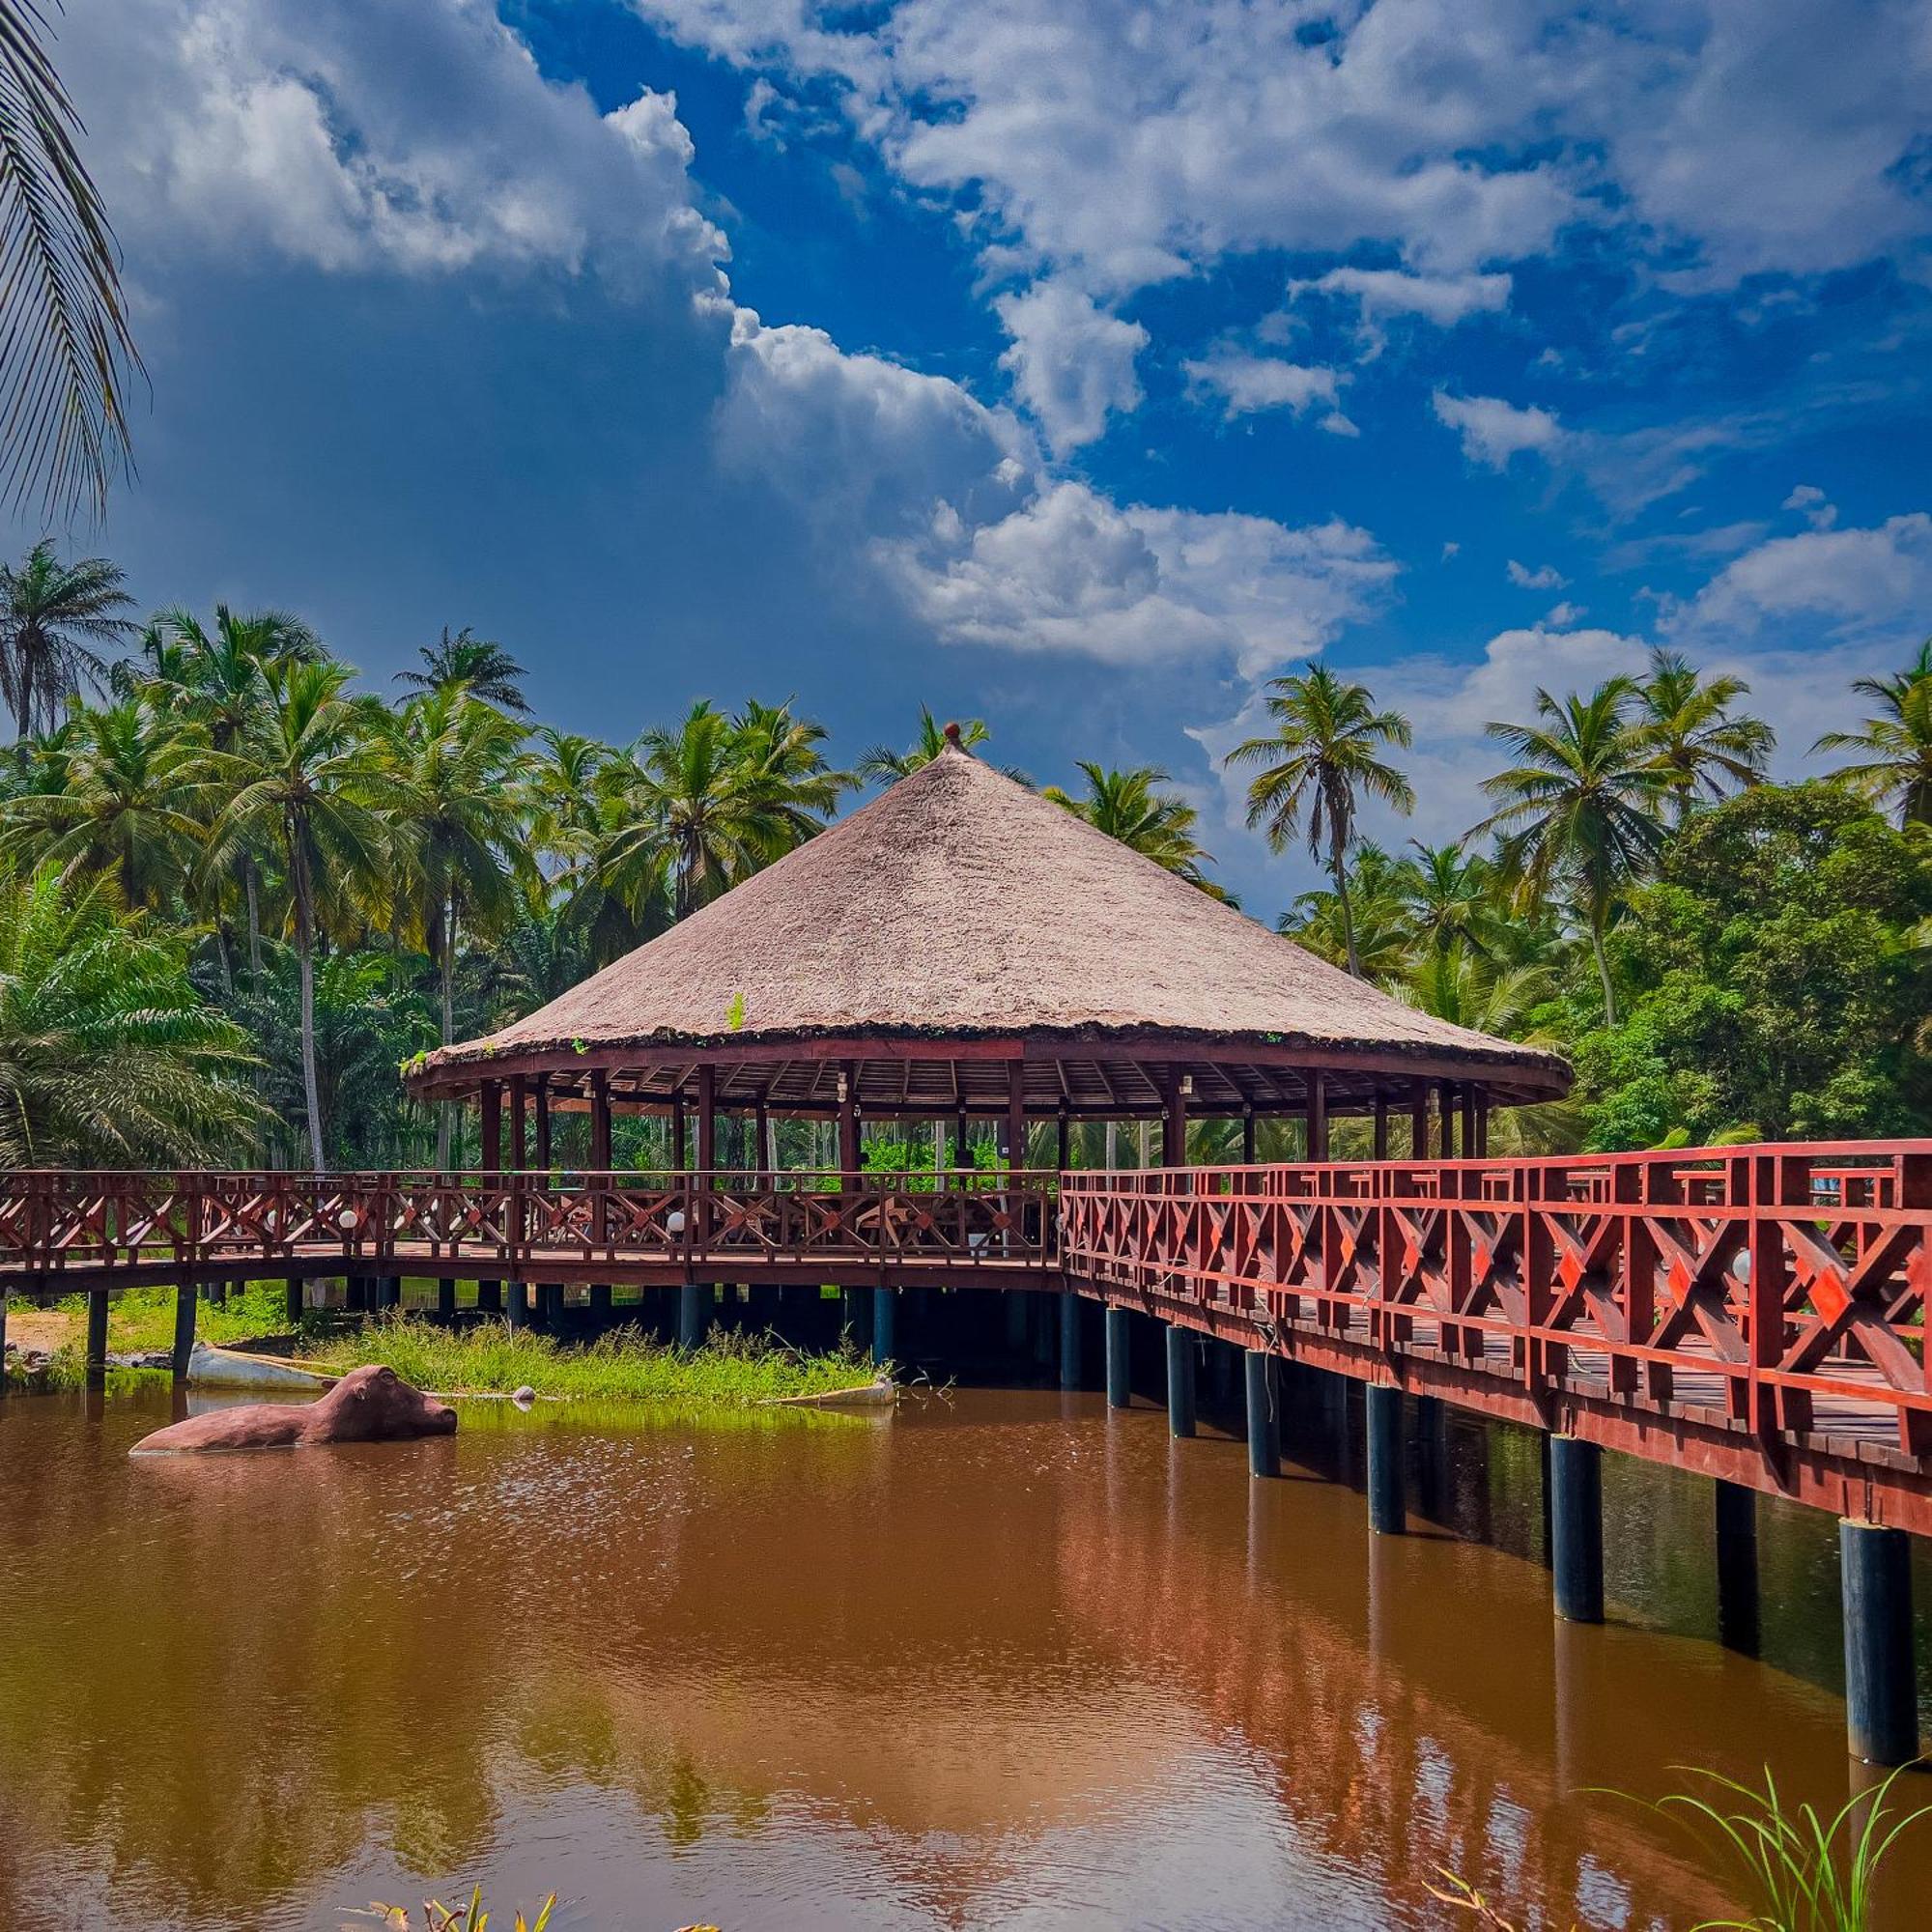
(1757, 1314)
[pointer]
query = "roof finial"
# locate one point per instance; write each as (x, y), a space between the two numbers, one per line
(952, 736)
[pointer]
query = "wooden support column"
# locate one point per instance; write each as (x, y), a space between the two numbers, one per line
(1317, 1115)
(600, 1121)
(707, 1145)
(490, 1125)
(678, 1142)
(187, 1302)
(849, 1161)
(1418, 1120)
(1482, 1147)
(1172, 1120)
(761, 1130)
(542, 1121)
(962, 1141)
(519, 1123)
(1063, 1150)
(1248, 1136)
(1382, 1144)
(1016, 1146)
(95, 1362)
(1470, 1147)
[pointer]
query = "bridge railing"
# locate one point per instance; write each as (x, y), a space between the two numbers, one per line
(56, 1223)
(1783, 1287)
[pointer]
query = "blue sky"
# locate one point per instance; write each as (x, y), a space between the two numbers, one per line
(1079, 366)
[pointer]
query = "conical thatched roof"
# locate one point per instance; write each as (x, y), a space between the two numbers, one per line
(960, 905)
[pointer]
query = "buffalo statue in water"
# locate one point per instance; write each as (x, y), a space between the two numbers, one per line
(368, 1404)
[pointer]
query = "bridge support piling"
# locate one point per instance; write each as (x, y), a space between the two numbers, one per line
(1576, 1528)
(1431, 1443)
(1263, 1413)
(517, 1309)
(885, 1328)
(1388, 1515)
(1737, 1568)
(694, 1315)
(1069, 1339)
(1120, 1344)
(97, 1337)
(445, 1299)
(551, 1298)
(1224, 1356)
(187, 1304)
(1018, 1309)
(1881, 1704)
(292, 1300)
(1180, 1381)
(490, 1297)
(600, 1301)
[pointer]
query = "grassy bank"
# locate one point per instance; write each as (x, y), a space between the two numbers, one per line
(495, 1359)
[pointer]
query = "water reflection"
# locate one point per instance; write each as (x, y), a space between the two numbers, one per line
(1003, 1660)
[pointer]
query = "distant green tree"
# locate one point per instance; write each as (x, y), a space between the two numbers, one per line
(1781, 979)
(467, 662)
(1132, 807)
(1894, 748)
(1581, 805)
(1323, 757)
(108, 1057)
(1697, 740)
(56, 619)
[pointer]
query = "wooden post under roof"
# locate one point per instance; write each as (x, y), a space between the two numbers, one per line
(1173, 1120)
(707, 1144)
(1446, 1106)
(1317, 1115)
(1470, 1147)
(519, 1123)
(677, 1139)
(1248, 1135)
(490, 1124)
(1016, 1146)
(962, 1141)
(762, 1129)
(600, 1121)
(599, 1156)
(849, 1159)
(1418, 1120)
(1062, 1148)
(1381, 1126)
(542, 1121)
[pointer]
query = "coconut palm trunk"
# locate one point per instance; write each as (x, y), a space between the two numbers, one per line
(445, 1113)
(305, 960)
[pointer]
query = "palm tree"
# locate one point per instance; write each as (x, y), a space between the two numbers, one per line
(1450, 897)
(221, 681)
(882, 765)
(473, 663)
(108, 1056)
(1695, 738)
(1580, 808)
(1896, 745)
(128, 809)
(457, 764)
(1130, 807)
(63, 318)
(1323, 757)
(309, 781)
(53, 616)
(698, 808)
(1379, 922)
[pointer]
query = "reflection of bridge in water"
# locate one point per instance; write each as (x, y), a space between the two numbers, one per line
(1756, 1315)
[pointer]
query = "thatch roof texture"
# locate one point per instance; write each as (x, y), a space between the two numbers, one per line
(958, 905)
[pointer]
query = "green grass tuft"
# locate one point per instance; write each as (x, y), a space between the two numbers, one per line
(493, 1359)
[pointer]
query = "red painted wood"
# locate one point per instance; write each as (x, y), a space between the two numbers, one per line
(1753, 1313)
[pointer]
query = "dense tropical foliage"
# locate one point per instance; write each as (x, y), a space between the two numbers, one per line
(239, 887)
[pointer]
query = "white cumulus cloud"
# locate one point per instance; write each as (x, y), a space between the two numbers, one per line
(1072, 363)
(1493, 431)
(1247, 384)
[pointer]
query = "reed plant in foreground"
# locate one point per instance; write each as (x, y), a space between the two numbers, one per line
(1798, 1871)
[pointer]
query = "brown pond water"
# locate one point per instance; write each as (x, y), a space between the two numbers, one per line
(999, 1660)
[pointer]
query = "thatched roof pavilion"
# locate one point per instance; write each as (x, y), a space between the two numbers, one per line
(961, 946)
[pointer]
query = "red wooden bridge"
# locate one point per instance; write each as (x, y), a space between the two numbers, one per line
(1755, 1313)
